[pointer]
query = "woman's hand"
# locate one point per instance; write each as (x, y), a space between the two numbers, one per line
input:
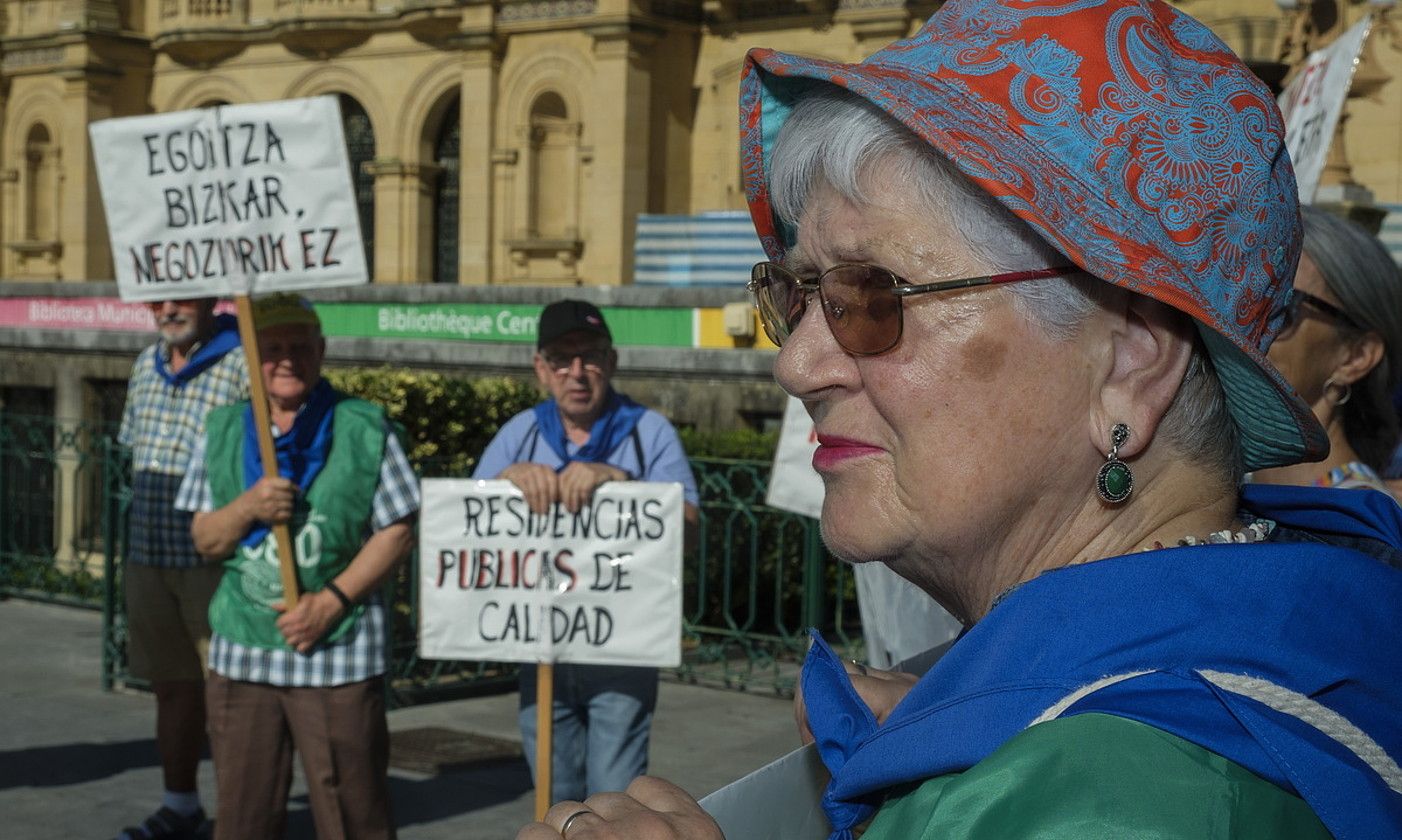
(652, 809)
(880, 690)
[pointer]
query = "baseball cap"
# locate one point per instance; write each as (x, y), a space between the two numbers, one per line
(1127, 135)
(566, 316)
(283, 308)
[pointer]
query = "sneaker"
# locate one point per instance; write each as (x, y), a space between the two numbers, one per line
(166, 824)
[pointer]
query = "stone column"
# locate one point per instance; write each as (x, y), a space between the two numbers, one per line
(477, 107)
(68, 414)
(620, 125)
(399, 189)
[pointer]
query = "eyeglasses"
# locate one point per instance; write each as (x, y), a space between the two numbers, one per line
(560, 363)
(1293, 317)
(862, 303)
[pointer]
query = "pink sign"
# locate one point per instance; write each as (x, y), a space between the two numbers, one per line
(52, 313)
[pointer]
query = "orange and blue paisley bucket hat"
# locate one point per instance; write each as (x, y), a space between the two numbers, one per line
(1127, 135)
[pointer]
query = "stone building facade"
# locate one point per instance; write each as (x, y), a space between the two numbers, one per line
(493, 141)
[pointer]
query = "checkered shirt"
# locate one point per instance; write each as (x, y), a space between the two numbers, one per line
(358, 655)
(162, 424)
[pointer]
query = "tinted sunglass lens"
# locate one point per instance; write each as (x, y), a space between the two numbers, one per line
(863, 314)
(778, 299)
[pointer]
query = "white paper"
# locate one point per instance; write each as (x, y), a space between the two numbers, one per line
(260, 192)
(779, 801)
(602, 586)
(793, 483)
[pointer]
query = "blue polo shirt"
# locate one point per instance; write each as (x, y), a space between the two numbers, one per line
(653, 452)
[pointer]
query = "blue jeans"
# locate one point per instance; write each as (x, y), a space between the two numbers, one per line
(603, 714)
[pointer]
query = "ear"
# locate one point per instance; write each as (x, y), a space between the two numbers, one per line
(1360, 356)
(542, 373)
(1150, 347)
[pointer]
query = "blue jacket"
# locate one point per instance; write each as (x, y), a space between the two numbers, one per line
(1281, 656)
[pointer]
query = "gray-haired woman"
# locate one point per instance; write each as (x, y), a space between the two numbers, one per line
(1341, 347)
(1023, 270)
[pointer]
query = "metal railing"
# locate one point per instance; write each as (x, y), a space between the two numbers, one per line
(756, 580)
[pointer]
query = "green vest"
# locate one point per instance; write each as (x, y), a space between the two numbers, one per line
(329, 523)
(1096, 777)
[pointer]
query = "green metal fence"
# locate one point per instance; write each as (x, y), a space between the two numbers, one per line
(756, 580)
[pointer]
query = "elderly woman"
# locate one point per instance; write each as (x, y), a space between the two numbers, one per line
(1341, 347)
(1026, 267)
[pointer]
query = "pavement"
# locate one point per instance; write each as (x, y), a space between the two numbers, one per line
(79, 762)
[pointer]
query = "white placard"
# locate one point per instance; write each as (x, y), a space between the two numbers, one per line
(1312, 102)
(601, 586)
(234, 199)
(899, 619)
(779, 801)
(793, 483)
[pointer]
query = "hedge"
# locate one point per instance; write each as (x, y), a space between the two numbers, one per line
(450, 419)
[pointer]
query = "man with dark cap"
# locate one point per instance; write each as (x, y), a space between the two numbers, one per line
(561, 450)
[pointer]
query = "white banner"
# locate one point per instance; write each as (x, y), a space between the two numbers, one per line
(234, 199)
(793, 483)
(1312, 102)
(601, 586)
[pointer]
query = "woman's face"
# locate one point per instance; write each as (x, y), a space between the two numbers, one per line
(1309, 352)
(943, 447)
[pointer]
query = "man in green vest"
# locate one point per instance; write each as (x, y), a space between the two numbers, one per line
(311, 675)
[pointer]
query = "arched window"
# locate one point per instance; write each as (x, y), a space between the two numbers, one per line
(445, 197)
(360, 146)
(40, 186)
(554, 169)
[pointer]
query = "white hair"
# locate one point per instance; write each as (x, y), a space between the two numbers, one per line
(838, 140)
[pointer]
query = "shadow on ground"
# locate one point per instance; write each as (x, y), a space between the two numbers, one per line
(433, 798)
(71, 764)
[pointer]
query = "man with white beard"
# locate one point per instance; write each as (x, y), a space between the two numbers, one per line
(195, 365)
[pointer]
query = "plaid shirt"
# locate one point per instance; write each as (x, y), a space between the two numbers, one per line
(162, 424)
(360, 654)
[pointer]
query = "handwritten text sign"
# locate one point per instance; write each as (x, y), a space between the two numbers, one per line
(601, 586)
(1312, 102)
(233, 199)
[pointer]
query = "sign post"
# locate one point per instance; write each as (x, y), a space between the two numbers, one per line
(232, 200)
(600, 586)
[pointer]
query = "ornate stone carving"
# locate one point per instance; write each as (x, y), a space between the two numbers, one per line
(545, 9)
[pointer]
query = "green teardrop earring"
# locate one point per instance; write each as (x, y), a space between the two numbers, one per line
(1115, 482)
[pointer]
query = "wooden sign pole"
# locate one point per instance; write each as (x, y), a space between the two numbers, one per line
(262, 422)
(544, 736)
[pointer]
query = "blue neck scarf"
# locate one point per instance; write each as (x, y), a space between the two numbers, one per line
(620, 417)
(224, 339)
(1309, 616)
(301, 451)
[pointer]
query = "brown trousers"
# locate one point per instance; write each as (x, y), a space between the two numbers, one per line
(344, 743)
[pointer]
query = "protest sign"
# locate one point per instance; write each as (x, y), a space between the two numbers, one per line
(200, 203)
(779, 801)
(1313, 101)
(601, 586)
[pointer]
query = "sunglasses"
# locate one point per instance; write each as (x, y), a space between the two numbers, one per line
(1293, 316)
(593, 361)
(861, 302)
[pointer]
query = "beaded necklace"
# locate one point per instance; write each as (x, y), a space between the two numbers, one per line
(1255, 532)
